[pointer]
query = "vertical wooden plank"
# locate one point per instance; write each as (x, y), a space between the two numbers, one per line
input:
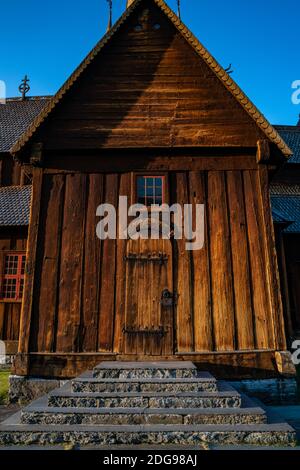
(92, 267)
(108, 275)
(220, 261)
(124, 190)
(15, 321)
(264, 333)
(143, 248)
(282, 260)
(240, 262)
(131, 298)
(70, 289)
(203, 326)
(167, 315)
(26, 312)
(271, 260)
(2, 320)
(182, 278)
(48, 259)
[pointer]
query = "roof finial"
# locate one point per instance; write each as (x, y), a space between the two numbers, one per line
(178, 9)
(109, 15)
(129, 3)
(24, 87)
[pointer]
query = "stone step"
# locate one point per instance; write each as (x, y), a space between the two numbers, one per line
(86, 383)
(142, 370)
(225, 397)
(39, 413)
(181, 435)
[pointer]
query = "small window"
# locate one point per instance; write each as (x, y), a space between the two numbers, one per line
(150, 190)
(12, 285)
(138, 28)
(156, 26)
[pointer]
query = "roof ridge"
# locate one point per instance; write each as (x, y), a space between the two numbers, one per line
(219, 71)
(29, 98)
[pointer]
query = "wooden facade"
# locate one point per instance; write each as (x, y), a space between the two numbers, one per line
(148, 104)
(12, 239)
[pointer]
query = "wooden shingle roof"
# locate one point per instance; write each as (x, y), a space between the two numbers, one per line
(15, 205)
(270, 132)
(291, 135)
(15, 118)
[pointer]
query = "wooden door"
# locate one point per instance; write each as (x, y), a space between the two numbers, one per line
(149, 300)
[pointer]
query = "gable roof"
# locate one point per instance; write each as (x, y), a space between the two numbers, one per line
(15, 118)
(270, 132)
(291, 135)
(15, 205)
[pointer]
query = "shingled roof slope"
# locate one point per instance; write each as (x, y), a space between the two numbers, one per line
(270, 132)
(291, 135)
(15, 205)
(15, 118)
(289, 208)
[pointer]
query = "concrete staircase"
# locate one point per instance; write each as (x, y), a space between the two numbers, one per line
(121, 403)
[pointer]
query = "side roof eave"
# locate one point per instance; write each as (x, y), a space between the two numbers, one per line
(270, 132)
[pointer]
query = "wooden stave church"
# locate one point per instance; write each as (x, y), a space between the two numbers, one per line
(54, 343)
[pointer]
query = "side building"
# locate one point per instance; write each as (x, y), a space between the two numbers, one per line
(285, 196)
(15, 194)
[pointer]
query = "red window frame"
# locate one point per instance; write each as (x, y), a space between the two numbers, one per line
(153, 177)
(13, 276)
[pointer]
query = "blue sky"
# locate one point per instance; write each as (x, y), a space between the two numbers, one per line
(47, 40)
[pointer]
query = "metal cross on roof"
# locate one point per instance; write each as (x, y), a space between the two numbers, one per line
(109, 15)
(24, 87)
(178, 9)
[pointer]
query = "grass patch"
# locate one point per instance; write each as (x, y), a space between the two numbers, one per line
(4, 386)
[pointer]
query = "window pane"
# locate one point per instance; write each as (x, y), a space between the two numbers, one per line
(150, 190)
(149, 181)
(13, 276)
(140, 182)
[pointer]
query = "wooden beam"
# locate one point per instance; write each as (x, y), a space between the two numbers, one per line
(263, 154)
(235, 364)
(36, 154)
(114, 163)
(26, 312)
(271, 261)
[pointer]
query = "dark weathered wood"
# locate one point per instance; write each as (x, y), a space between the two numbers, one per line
(73, 235)
(134, 161)
(201, 298)
(248, 364)
(271, 261)
(48, 259)
(25, 322)
(125, 184)
(263, 151)
(2, 321)
(220, 264)
(264, 334)
(182, 276)
(240, 262)
(159, 110)
(158, 93)
(92, 267)
(285, 287)
(108, 275)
